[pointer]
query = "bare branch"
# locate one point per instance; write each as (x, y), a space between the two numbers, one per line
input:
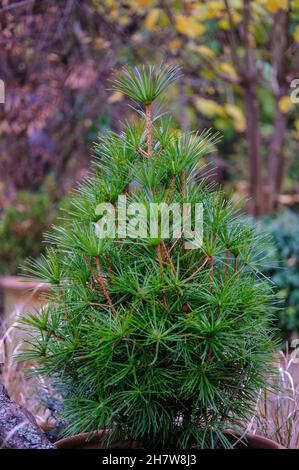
(12, 6)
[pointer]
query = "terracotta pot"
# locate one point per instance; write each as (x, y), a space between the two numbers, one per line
(93, 441)
(252, 441)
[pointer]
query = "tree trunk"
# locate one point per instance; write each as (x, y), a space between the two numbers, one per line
(252, 112)
(18, 428)
(280, 88)
(275, 160)
(253, 142)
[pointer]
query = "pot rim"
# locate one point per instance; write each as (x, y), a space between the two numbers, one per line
(79, 440)
(263, 442)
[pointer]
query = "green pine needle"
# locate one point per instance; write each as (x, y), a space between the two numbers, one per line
(144, 84)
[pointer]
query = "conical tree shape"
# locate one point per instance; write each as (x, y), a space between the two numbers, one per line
(150, 338)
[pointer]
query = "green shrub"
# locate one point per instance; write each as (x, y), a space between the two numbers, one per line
(22, 225)
(284, 271)
(154, 341)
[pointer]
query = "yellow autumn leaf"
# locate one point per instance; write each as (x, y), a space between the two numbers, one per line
(203, 50)
(296, 34)
(174, 45)
(237, 18)
(284, 104)
(275, 5)
(109, 3)
(237, 115)
(223, 24)
(206, 51)
(145, 3)
(297, 3)
(216, 6)
(209, 108)
(189, 26)
(208, 73)
(152, 18)
(202, 11)
(228, 69)
(297, 125)
(211, 15)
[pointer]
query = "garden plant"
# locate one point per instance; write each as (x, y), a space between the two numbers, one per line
(22, 225)
(284, 231)
(147, 338)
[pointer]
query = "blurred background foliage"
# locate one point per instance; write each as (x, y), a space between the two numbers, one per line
(284, 268)
(20, 232)
(23, 223)
(239, 58)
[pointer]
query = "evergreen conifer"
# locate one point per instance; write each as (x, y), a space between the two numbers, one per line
(156, 342)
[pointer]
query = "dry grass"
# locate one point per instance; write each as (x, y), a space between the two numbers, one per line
(28, 390)
(277, 413)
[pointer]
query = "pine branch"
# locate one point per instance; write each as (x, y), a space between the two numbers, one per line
(211, 271)
(172, 187)
(197, 270)
(160, 261)
(142, 152)
(103, 285)
(183, 183)
(227, 261)
(168, 258)
(148, 111)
